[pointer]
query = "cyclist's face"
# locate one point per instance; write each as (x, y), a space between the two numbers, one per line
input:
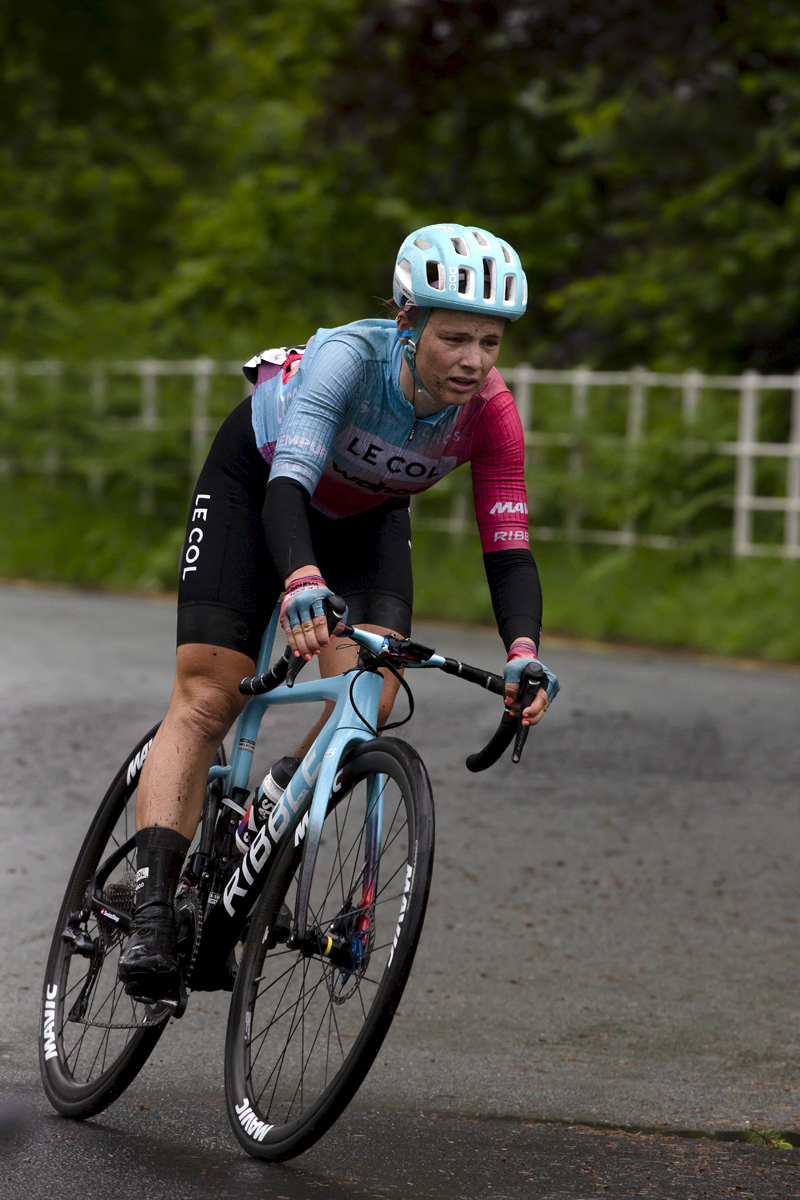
(455, 353)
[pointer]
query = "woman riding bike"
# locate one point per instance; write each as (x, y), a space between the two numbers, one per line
(306, 491)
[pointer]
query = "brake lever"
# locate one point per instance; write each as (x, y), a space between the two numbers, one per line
(531, 680)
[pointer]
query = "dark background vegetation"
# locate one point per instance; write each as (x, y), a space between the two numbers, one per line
(180, 177)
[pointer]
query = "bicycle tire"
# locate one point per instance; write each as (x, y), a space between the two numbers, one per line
(87, 1058)
(279, 1104)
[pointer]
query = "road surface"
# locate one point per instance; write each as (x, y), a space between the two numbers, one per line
(611, 943)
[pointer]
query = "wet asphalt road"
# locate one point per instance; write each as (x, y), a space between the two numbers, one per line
(612, 938)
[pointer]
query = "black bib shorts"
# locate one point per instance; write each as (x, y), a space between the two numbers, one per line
(228, 585)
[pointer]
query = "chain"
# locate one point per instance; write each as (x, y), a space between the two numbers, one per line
(145, 1024)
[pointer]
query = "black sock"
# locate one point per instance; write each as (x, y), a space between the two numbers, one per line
(160, 854)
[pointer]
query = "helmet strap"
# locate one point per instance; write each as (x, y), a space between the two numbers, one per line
(412, 337)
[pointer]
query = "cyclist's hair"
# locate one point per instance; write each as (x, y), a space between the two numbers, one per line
(392, 308)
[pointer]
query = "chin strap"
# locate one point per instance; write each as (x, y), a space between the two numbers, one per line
(411, 337)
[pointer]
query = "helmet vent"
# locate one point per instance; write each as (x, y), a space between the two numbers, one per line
(507, 255)
(488, 279)
(460, 247)
(434, 273)
(480, 239)
(509, 289)
(466, 282)
(404, 276)
(422, 244)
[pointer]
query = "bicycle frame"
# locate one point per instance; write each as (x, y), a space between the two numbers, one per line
(302, 809)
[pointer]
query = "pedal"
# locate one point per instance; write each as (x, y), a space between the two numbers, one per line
(175, 1005)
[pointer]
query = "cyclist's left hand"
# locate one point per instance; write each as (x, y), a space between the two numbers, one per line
(523, 651)
(302, 614)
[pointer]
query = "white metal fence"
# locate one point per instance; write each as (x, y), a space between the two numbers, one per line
(687, 388)
(600, 423)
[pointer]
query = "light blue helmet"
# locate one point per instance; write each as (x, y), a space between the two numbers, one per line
(461, 267)
(456, 266)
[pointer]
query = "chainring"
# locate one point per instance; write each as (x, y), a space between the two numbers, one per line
(189, 922)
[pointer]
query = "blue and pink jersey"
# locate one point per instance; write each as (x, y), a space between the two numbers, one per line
(332, 417)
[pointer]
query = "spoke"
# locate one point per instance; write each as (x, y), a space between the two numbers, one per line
(297, 1021)
(306, 994)
(314, 1010)
(339, 875)
(306, 1060)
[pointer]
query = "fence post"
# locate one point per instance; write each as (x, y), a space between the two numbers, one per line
(524, 376)
(581, 382)
(690, 395)
(637, 411)
(148, 412)
(748, 435)
(96, 475)
(51, 367)
(8, 372)
(98, 388)
(791, 528)
(202, 369)
(148, 420)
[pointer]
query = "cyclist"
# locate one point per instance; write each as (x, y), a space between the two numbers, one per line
(306, 491)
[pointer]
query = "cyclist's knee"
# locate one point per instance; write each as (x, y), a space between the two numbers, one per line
(206, 698)
(209, 711)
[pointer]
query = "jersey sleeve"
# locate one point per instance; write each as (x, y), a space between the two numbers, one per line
(318, 397)
(498, 476)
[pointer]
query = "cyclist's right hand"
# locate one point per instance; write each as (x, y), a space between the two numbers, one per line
(302, 614)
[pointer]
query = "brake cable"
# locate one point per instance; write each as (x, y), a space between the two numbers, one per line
(406, 689)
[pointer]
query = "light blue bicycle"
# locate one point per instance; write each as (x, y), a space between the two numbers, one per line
(328, 902)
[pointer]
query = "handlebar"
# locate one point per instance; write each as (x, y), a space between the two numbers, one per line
(511, 727)
(289, 665)
(399, 652)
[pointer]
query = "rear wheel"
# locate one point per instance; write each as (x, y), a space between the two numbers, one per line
(307, 1020)
(94, 1039)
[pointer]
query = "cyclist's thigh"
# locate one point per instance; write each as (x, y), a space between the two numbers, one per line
(228, 585)
(366, 559)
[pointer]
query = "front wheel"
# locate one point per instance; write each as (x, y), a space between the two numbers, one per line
(308, 1018)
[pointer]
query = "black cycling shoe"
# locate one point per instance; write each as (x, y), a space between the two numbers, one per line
(148, 966)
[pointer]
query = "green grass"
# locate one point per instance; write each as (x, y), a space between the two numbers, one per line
(746, 607)
(54, 533)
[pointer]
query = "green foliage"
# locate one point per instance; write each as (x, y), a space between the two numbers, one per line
(769, 1137)
(54, 532)
(745, 608)
(181, 177)
(50, 533)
